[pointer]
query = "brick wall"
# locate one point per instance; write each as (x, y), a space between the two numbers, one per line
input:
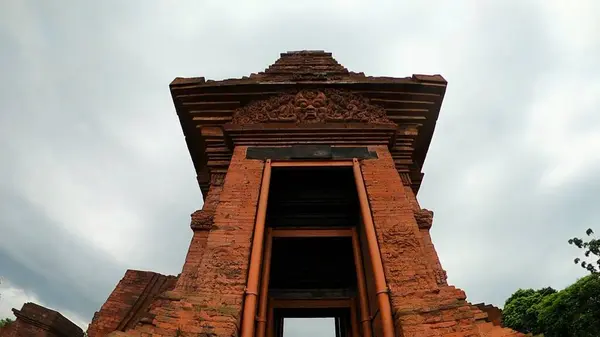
(202, 223)
(423, 304)
(22, 329)
(8, 329)
(494, 313)
(424, 219)
(129, 301)
(36, 321)
(400, 242)
(208, 300)
(188, 280)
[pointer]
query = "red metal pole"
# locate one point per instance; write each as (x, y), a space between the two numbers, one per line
(249, 311)
(261, 325)
(383, 298)
(362, 288)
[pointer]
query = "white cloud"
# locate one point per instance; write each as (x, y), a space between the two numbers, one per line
(562, 126)
(574, 26)
(12, 297)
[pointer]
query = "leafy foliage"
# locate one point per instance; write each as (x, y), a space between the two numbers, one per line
(5, 321)
(574, 311)
(591, 247)
(519, 310)
(571, 312)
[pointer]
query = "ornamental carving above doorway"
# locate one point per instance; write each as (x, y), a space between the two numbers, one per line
(312, 106)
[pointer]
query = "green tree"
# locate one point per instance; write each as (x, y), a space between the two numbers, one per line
(573, 311)
(590, 247)
(5, 321)
(520, 311)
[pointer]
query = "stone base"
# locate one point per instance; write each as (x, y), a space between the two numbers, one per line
(446, 313)
(443, 313)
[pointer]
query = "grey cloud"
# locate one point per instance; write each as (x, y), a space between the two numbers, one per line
(503, 232)
(40, 256)
(70, 107)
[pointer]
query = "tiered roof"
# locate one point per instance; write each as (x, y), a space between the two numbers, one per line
(206, 109)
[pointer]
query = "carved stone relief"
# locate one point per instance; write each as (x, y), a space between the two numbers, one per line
(441, 277)
(424, 218)
(217, 179)
(202, 220)
(312, 106)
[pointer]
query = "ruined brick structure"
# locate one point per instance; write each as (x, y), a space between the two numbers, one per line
(36, 321)
(309, 174)
(494, 313)
(130, 302)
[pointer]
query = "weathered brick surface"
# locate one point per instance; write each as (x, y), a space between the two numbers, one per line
(424, 305)
(20, 328)
(202, 223)
(494, 314)
(129, 301)
(36, 321)
(208, 297)
(400, 242)
(188, 280)
(9, 329)
(424, 220)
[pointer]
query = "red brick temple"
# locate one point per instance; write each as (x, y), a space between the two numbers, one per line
(309, 174)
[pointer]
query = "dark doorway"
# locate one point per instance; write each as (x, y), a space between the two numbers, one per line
(312, 268)
(305, 265)
(312, 197)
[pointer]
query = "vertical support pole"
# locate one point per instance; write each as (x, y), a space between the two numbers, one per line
(363, 302)
(353, 325)
(338, 327)
(249, 311)
(261, 325)
(271, 320)
(383, 298)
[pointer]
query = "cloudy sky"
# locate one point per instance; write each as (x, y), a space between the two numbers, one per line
(96, 178)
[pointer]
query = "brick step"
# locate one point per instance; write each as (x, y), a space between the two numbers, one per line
(487, 329)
